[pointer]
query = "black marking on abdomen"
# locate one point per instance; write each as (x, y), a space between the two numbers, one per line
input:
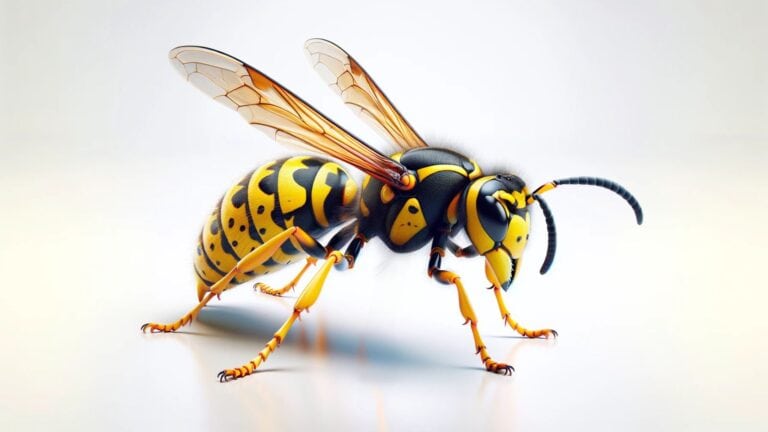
(304, 216)
(226, 246)
(208, 259)
(268, 185)
(241, 197)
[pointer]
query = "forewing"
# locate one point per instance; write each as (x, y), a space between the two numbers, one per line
(360, 93)
(279, 113)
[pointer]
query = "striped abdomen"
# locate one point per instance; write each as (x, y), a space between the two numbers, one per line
(308, 192)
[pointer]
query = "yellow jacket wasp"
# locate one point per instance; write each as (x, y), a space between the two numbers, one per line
(422, 194)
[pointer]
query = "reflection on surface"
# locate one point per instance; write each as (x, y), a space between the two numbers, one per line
(335, 372)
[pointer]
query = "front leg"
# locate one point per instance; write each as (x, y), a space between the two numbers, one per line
(448, 278)
(470, 251)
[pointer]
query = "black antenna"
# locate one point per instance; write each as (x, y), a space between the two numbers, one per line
(551, 234)
(613, 187)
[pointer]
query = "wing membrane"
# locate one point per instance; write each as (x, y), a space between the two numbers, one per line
(360, 93)
(274, 110)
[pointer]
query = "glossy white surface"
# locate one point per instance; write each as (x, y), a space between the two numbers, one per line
(110, 163)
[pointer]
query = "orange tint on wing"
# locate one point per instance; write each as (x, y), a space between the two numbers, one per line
(360, 93)
(279, 113)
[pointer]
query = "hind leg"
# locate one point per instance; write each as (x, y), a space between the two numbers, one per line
(248, 263)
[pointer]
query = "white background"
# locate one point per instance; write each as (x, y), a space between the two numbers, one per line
(109, 164)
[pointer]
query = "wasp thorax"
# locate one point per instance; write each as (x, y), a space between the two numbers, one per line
(497, 222)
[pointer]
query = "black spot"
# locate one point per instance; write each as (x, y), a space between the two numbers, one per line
(234, 243)
(519, 238)
(260, 210)
(199, 251)
(253, 248)
(526, 236)
(239, 197)
(412, 209)
(211, 246)
(242, 228)
(231, 222)
(204, 273)
(262, 231)
(218, 262)
(215, 227)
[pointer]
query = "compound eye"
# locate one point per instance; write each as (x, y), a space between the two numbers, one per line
(494, 217)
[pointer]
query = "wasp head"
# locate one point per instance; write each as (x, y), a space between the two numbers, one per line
(497, 223)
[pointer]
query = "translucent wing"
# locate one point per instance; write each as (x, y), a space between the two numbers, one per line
(279, 113)
(349, 80)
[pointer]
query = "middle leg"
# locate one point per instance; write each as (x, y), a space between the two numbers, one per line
(266, 289)
(337, 242)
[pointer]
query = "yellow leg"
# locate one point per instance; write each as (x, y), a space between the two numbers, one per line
(306, 299)
(246, 264)
(266, 289)
(469, 315)
(505, 315)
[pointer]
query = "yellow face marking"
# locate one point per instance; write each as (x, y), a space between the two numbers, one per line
(517, 235)
(408, 222)
(386, 195)
(432, 169)
(320, 191)
(505, 196)
(475, 231)
(292, 195)
(519, 198)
